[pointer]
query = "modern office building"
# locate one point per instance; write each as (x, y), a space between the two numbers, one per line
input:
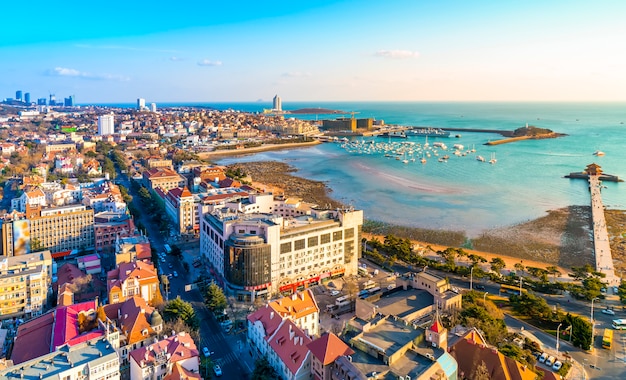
(141, 103)
(42, 102)
(24, 284)
(153, 107)
(277, 105)
(27, 98)
(18, 95)
(268, 247)
(106, 124)
(69, 102)
(53, 100)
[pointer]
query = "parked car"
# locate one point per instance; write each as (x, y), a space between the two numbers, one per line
(479, 287)
(206, 352)
(608, 311)
(615, 290)
(175, 274)
(550, 361)
(334, 292)
(543, 357)
(217, 369)
(557, 365)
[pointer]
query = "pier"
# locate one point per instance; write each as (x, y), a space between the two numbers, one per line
(601, 244)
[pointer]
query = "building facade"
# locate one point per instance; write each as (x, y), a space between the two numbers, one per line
(106, 125)
(24, 284)
(164, 178)
(259, 253)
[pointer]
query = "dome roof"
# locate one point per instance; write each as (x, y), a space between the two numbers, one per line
(155, 318)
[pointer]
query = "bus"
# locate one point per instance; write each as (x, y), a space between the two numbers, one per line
(363, 271)
(368, 284)
(167, 248)
(341, 299)
(375, 290)
(607, 339)
(619, 324)
(511, 289)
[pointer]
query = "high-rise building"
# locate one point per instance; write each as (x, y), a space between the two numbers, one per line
(25, 281)
(42, 101)
(69, 102)
(277, 104)
(18, 95)
(141, 103)
(53, 100)
(153, 107)
(27, 98)
(106, 124)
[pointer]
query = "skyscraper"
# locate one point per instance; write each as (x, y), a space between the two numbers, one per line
(277, 105)
(18, 95)
(106, 124)
(141, 104)
(69, 102)
(53, 100)
(27, 98)
(42, 101)
(153, 107)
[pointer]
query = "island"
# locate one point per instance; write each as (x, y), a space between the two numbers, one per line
(528, 132)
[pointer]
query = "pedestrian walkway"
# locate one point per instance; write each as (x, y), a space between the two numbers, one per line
(601, 243)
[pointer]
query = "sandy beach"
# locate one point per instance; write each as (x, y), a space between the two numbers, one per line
(262, 148)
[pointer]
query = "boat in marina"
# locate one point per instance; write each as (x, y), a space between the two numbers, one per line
(493, 159)
(394, 134)
(480, 158)
(428, 132)
(598, 153)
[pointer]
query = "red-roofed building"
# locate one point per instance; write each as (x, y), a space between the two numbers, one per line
(180, 373)
(261, 324)
(131, 279)
(164, 178)
(157, 360)
(325, 351)
(289, 355)
(74, 283)
(52, 330)
(302, 309)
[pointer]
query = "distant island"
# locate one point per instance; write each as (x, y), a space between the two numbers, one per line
(528, 132)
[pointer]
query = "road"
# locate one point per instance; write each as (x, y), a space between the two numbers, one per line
(211, 334)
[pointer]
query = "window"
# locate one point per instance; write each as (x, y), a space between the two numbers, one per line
(337, 235)
(312, 241)
(285, 247)
(325, 238)
(299, 244)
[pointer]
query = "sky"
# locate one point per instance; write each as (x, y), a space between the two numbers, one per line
(354, 50)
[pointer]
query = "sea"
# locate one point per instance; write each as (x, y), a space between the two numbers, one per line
(464, 194)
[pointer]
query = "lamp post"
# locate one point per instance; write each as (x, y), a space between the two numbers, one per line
(471, 277)
(557, 338)
(520, 285)
(485, 297)
(592, 322)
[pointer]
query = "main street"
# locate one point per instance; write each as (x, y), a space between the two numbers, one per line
(211, 334)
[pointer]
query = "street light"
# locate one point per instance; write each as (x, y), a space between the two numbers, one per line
(557, 338)
(471, 277)
(485, 297)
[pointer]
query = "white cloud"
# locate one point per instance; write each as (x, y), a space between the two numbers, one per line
(67, 72)
(297, 74)
(397, 54)
(208, 62)
(175, 58)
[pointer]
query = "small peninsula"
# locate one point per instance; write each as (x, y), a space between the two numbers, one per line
(528, 132)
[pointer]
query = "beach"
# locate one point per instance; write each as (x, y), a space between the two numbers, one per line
(561, 237)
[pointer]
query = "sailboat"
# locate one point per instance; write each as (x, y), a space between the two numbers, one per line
(423, 160)
(493, 158)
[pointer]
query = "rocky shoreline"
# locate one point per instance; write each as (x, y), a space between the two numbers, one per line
(561, 237)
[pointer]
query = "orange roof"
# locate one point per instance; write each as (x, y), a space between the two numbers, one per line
(328, 348)
(180, 373)
(179, 347)
(133, 320)
(297, 305)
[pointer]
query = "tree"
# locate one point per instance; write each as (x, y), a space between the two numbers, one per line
(177, 308)
(157, 300)
(497, 264)
(263, 370)
(621, 291)
(215, 298)
(476, 259)
(581, 331)
(532, 306)
(554, 271)
(519, 267)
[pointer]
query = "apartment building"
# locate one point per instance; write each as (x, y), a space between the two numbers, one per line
(93, 359)
(135, 278)
(157, 360)
(62, 228)
(181, 209)
(258, 252)
(24, 284)
(164, 178)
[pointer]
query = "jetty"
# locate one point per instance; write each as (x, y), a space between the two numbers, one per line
(601, 243)
(594, 168)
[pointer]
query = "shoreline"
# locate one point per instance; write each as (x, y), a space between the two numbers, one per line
(258, 149)
(561, 237)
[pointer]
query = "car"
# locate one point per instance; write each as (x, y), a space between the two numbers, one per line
(175, 274)
(334, 292)
(550, 361)
(608, 311)
(162, 260)
(603, 290)
(557, 365)
(479, 287)
(206, 352)
(217, 370)
(615, 290)
(391, 286)
(543, 357)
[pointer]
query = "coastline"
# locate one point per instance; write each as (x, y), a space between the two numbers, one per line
(258, 149)
(560, 238)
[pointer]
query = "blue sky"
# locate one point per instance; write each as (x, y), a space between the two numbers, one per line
(393, 50)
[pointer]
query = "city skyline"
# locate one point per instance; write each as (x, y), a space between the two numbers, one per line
(327, 51)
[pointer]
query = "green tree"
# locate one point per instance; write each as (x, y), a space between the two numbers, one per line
(581, 331)
(554, 271)
(215, 298)
(263, 370)
(531, 305)
(621, 291)
(177, 308)
(497, 264)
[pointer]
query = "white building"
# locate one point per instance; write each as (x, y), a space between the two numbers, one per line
(277, 104)
(141, 103)
(153, 107)
(263, 246)
(106, 124)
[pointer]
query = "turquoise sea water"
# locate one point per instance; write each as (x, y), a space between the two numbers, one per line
(464, 194)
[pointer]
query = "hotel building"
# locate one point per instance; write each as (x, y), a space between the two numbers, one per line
(265, 245)
(106, 124)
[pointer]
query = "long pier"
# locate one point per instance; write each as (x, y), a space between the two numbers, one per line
(601, 245)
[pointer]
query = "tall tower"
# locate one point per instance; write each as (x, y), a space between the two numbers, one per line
(18, 95)
(153, 107)
(141, 104)
(27, 98)
(106, 124)
(53, 100)
(277, 105)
